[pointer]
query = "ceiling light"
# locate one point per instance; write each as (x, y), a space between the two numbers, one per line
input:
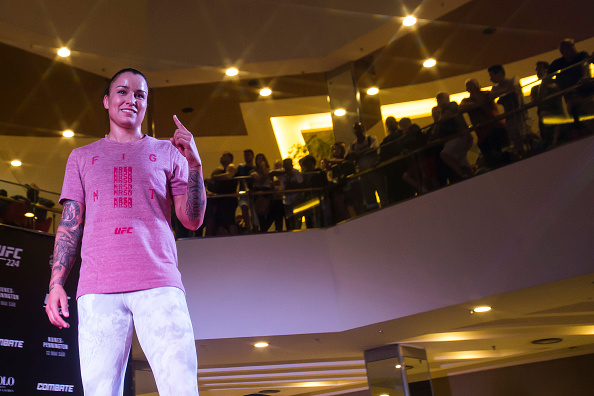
(373, 91)
(430, 62)
(232, 71)
(16, 163)
(265, 92)
(339, 112)
(29, 214)
(64, 52)
(261, 344)
(481, 309)
(68, 133)
(409, 20)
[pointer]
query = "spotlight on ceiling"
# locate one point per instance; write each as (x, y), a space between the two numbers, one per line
(339, 112)
(232, 71)
(409, 20)
(64, 52)
(29, 214)
(430, 62)
(265, 92)
(68, 133)
(373, 91)
(261, 344)
(16, 163)
(481, 309)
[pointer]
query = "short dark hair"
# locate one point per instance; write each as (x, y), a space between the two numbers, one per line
(308, 159)
(569, 42)
(126, 70)
(249, 151)
(544, 64)
(496, 69)
(228, 153)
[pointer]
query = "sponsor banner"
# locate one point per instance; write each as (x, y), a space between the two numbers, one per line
(37, 357)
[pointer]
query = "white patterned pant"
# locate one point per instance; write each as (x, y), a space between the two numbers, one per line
(163, 327)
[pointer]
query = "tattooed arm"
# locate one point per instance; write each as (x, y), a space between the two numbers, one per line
(68, 238)
(191, 206)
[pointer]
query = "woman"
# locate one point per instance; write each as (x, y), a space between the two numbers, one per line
(268, 207)
(346, 194)
(120, 189)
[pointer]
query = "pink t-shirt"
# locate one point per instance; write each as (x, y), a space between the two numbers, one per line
(127, 243)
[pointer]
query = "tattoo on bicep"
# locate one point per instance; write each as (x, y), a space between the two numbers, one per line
(196, 203)
(71, 214)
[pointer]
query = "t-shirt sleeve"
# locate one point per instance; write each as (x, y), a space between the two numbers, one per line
(179, 174)
(73, 188)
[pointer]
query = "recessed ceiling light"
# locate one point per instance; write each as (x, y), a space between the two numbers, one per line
(64, 52)
(68, 133)
(430, 62)
(489, 30)
(261, 344)
(265, 92)
(339, 112)
(409, 20)
(232, 71)
(546, 341)
(481, 309)
(373, 91)
(29, 214)
(16, 163)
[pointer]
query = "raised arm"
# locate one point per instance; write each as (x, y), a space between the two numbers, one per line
(68, 238)
(191, 206)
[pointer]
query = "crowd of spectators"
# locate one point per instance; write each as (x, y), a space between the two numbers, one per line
(365, 174)
(13, 209)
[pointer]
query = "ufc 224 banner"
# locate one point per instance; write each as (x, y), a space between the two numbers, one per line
(35, 357)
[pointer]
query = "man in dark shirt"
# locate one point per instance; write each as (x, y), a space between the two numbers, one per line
(568, 78)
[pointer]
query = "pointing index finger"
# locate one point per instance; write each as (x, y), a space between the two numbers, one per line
(178, 122)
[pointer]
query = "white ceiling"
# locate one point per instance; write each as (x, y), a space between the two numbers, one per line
(457, 342)
(189, 41)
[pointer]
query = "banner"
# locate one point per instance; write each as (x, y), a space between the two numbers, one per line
(35, 356)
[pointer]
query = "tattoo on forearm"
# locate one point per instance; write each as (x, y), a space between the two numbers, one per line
(196, 203)
(67, 241)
